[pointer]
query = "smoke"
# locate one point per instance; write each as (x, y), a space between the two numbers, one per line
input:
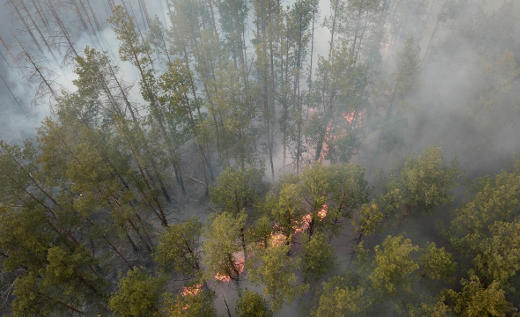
(465, 96)
(465, 99)
(459, 40)
(24, 101)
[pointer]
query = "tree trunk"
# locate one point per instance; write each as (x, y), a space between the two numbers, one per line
(80, 16)
(22, 19)
(38, 29)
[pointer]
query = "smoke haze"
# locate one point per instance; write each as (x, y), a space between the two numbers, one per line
(464, 46)
(465, 96)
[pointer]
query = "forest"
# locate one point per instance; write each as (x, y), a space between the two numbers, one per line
(262, 158)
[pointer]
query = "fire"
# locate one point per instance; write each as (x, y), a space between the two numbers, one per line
(353, 118)
(325, 147)
(239, 263)
(322, 213)
(304, 225)
(307, 219)
(349, 116)
(386, 44)
(191, 290)
(278, 239)
(222, 277)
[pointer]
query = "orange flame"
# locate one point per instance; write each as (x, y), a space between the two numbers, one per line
(239, 263)
(322, 213)
(307, 219)
(278, 239)
(222, 277)
(349, 116)
(353, 118)
(191, 290)
(325, 146)
(386, 44)
(304, 225)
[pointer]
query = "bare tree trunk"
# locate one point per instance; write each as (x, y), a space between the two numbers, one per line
(13, 96)
(159, 119)
(285, 81)
(227, 307)
(312, 52)
(111, 245)
(327, 105)
(166, 49)
(80, 16)
(40, 74)
(39, 10)
(38, 29)
(111, 4)
(6, 61)
(87, 15)
(264, 73)
(297, 98)
(144, 10)
(140, 131)
(213, 21)
(62, 27)
(6, 47)
(93, 13)
(22, 19)
(273, 87)
(137, 28)
(310, 80)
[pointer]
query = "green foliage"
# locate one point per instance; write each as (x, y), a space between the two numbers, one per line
(138, 294)
(13, 173)
(236, 190)
(348, 188)
(317, 256)
(499, 254)
(181, 109)
(251, 304)
(70, 274)
(193, 306)
(277, 272)
(486, 230)
(338, 189)
(314, 186)
(340, 299)
(368, 219)
(436, 309)
(476, 299)
(423, 182)
(178, 248)
(223, 239)
(29, 300)
(289, 208)
(406, 77)
(235, 113)
(342, 148)
(262, 230)
(394, 265)
(79, 202)
(436, 263)
(127, 33)
(324, 193)
(497, 199)
(24, 236)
